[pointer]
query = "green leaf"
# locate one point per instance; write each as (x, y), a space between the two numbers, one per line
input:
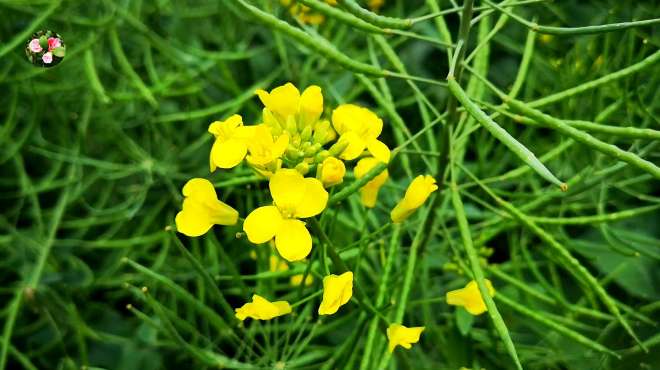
(464, 321)
(59, 51)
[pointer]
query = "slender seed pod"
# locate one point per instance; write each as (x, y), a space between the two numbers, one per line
(572, 264)
(587, 30)
(584, 138)
(543, 320)
(516, 147)
(318, 44)
(342, 16)
(373, 18)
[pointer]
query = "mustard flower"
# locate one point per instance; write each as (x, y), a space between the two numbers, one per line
(202, 209)
(399, 335)
(369, 192)
(337, 291)
(262, 309)
(297, 280)
(416, 194)
(360, 128)
(294, 197)
(231, 142)
(285, 101)
(277, 265)
(304, 13)
(332, 171)
(263, 148)
(375, 5)
(470, 297)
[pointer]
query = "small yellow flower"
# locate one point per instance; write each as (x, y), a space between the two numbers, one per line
(297, 280)
(416, 194)
(202, 209)
(286, 100)
(470, 297)
(375, 5)
(369, 192)
(231, 142)
(264, 149)
(360, 128)
(261, 309)
(277, 265)
(400, 335)
(332, 171)
(337, 290)
(294, 197)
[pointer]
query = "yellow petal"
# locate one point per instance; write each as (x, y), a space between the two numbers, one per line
(417, 193)
(313, 201)
(369, 192)
(362, 121)
(287, 187)
(262, 309)
(292, 240)
(470, 298)
(354, 145)
(227, 154)
(400, 335)
(282, 100)
(261, 224)
(311, 104)
(343, 118)
(201, 209)
(337, 291)
(192, 221)
(224, 129)
(379, 150)
(332, 171)
(280, 145)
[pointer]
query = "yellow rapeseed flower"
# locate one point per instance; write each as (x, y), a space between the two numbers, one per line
(263, 148)
(369, 192)
(297, 280)
(375, 5)
(332, 171)
(277, 265)
(202, 209)
(261, 309)
(231, 142)
(294, 197)
(399, 335)
(337, 290)
(470, 297)
(416, 194)
(284, 101)
(360, 128)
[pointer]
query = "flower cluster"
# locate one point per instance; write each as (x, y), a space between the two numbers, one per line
(301, 154)
(306, 15)
(45, 48)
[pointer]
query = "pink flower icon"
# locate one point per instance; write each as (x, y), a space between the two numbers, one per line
(34, 46)
(53, 42)
(47, 57)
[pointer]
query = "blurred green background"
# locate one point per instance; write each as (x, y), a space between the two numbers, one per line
(94, 151)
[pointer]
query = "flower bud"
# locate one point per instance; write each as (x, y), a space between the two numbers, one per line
(332, 172)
